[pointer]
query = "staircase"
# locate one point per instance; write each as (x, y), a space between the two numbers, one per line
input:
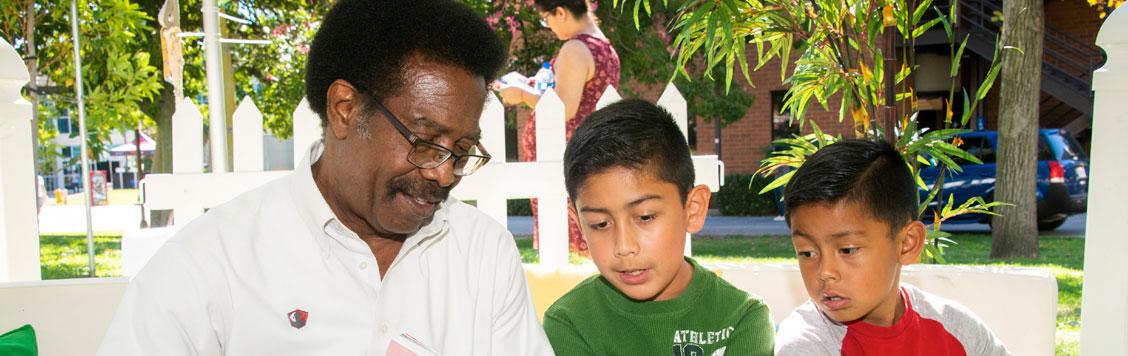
(1067, 64)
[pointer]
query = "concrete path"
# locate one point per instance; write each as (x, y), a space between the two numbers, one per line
(55, 219)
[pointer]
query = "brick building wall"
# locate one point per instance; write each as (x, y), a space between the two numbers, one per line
(1074, 17)
(745, 142)
(1077, 20)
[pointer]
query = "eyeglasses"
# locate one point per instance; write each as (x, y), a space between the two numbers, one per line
(427, 155)
(544, 19)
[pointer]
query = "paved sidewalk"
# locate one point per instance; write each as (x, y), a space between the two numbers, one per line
(767, 225)
(55, 219)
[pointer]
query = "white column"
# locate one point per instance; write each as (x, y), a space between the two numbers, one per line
(1104, 299)
(19, 232)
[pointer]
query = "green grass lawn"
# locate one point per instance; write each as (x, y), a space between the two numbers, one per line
(64, 256)
(1063, 256)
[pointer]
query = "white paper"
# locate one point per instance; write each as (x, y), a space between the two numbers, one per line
(516, 80)
(406, 345)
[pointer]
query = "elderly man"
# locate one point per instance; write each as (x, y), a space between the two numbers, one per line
(360, 249)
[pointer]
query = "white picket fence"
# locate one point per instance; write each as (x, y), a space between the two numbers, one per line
(188, 191)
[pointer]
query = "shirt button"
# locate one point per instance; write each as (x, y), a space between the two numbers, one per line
(384, 329)
(363, 265)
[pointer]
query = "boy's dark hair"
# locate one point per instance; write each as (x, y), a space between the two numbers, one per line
(633, 134)
(870, 173)
(576, 7)
(367, 43)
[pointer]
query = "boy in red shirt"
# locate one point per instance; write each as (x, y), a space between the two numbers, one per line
(852, 209)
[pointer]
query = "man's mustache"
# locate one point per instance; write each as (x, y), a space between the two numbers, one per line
(426, 190)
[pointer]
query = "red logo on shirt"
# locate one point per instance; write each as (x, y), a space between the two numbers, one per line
(298, 318)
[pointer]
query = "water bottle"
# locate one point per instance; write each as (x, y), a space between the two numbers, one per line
(544, 78)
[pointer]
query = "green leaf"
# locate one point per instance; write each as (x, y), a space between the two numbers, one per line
(917, 32)
(921, 9)
(947, 25)
(785, 57)
(729, 61)
(953, 13)
(966, 110)
(988, 82)
(957, 58)
(742, 58)
(778, 182)
(635, 12)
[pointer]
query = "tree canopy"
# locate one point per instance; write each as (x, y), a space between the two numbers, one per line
(117, 73)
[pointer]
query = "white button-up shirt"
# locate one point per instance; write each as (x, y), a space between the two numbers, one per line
(236, 280)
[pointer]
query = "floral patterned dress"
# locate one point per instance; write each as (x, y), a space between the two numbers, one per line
(606, 73)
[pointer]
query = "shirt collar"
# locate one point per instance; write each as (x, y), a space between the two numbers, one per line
(318, 216)
(308, 199)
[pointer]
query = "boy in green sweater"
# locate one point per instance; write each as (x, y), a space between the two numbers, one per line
(630, 179)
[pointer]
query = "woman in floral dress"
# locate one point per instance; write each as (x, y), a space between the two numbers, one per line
(584, 67)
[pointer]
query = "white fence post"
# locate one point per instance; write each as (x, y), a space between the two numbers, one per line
(19, 231)
(552, 204)
(187, 151)
(673, 102)
(1104, 298)
(246, 137)
(307, 130)
(187, 138)
(610, 96)
(493, 139)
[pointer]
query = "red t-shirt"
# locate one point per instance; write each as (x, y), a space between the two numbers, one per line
(930, 326)
(912, 335)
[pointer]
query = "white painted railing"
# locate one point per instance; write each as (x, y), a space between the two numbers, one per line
(188, 191)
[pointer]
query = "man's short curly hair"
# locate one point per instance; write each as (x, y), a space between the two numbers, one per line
(368, 42)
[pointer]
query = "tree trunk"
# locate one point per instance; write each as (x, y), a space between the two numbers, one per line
(33, 69)
(162, 159)
(172, 92)
(1015, 233)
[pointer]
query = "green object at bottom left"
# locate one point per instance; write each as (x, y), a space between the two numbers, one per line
(19, 342)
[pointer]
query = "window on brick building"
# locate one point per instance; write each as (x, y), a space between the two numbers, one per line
(783, 124)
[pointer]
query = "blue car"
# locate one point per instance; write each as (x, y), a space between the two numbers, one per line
(1062, 180)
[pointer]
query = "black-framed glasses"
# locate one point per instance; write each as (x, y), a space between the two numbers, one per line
(427, 155)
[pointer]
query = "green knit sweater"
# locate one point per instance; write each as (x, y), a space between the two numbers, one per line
(709, 318)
